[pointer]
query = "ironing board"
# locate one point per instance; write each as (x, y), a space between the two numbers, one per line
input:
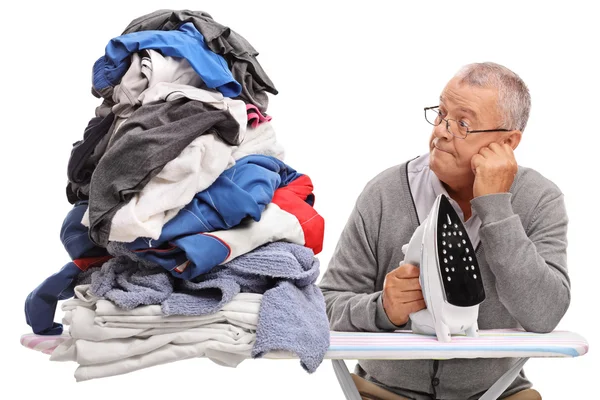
(405, 345)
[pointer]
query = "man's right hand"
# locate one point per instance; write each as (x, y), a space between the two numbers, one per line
(402, 293)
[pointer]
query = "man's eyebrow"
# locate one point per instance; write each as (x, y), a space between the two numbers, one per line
(468, 111)
(463, 109)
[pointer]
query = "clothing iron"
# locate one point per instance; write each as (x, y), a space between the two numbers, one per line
(450, 278)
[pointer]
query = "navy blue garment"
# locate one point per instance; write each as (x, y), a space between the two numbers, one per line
(40, 305)
(186, 42)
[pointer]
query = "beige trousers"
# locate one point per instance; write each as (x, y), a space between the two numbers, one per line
(371, 391)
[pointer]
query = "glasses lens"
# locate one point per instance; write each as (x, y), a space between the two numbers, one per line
(432, 116)
(458, 129)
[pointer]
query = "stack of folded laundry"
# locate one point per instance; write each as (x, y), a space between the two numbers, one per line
(189, 234)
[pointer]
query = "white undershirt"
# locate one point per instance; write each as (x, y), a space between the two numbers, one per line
(426, 187)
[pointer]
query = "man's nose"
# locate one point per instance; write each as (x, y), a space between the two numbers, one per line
(441, 131)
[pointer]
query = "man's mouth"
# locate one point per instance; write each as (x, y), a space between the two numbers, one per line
(441, 149)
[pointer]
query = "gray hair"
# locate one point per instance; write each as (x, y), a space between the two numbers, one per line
(513, 96)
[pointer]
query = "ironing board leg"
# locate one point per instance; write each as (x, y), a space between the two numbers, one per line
(505, 380)
(345, 380)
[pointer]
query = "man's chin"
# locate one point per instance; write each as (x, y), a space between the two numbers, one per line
(438, 162)
(437, 156)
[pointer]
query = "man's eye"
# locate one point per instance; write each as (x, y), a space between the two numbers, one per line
(463, 124)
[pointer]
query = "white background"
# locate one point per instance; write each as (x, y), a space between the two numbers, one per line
(353, 81)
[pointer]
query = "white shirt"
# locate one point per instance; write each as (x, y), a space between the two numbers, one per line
(425, 187)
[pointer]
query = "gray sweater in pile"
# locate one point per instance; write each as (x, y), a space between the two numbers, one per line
(523, 260)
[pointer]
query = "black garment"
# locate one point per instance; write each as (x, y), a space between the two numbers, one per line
(238, 52)
(86, 153)
(81, 191)
(79, 169)
(152, 136)
(75, 193)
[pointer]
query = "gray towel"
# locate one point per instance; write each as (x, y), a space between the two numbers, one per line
(254, 272)
(129, 281)
(292, 314)
(293, 318)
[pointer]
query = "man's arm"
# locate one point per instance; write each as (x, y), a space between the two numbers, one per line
(348, 285)
(529, 263)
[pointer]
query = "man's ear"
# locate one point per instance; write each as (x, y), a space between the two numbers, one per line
(513, 139)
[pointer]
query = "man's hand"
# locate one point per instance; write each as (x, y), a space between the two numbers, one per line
(495, 169)
(402, 293)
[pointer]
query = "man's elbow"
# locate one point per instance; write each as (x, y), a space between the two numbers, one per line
(540, 327)
(548, 322)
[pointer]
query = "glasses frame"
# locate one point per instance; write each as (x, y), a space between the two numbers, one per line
(448, 124)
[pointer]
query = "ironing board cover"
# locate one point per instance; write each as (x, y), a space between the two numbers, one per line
(404, 345)
(498, 343)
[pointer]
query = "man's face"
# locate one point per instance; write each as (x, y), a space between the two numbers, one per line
(450, 157)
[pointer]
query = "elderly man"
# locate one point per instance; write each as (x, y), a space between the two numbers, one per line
(515, 218)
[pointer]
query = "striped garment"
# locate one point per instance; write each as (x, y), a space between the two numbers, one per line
(44, 343)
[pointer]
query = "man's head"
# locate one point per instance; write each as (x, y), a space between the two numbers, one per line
(481, 96)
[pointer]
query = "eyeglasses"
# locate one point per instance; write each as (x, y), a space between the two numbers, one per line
(458, 129)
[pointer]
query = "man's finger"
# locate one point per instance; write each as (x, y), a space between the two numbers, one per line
(404, 284)
(485, 151)
(476, 161)
(509, 150)
(411, 284)
(495, 147)
(406, 271)
(415, 306)
(410, 296)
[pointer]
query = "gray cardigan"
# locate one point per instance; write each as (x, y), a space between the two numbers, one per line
(523, 262)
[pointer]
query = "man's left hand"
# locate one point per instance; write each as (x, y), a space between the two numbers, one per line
(495, 168)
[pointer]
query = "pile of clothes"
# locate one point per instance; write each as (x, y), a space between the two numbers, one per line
(189, 235)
